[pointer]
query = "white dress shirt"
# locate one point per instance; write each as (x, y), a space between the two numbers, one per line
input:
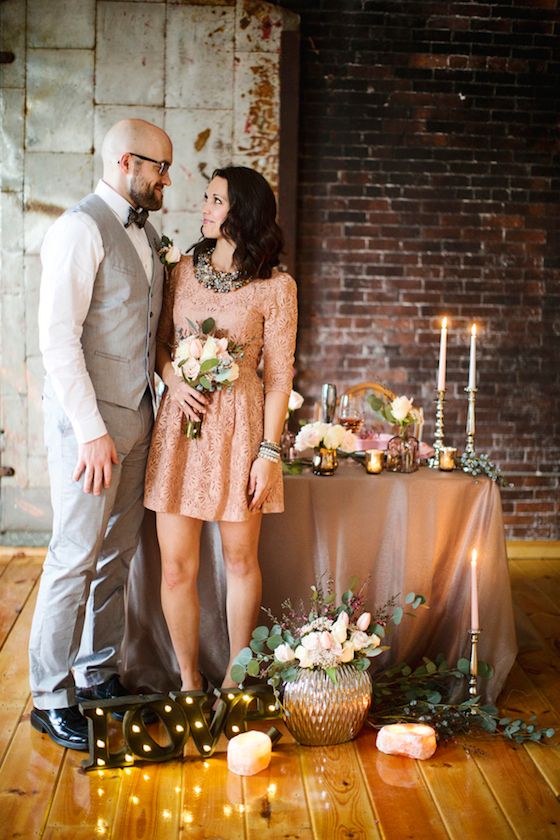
(71, 254)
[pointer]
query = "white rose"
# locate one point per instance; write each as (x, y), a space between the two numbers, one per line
(359, 640)
(209, 350)
(347, 652)
(304, 657)
(310, 436)
(311, 641)
(364, 621)
(333, 437)
(191, 368)
(173, 254)
(400, 408)
(327, 640)
(284, 653)
(295, 401)
(182, 351)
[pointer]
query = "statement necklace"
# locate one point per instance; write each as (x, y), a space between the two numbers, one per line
(217, 281)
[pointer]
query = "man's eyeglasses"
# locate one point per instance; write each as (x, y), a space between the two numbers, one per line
(163, 165)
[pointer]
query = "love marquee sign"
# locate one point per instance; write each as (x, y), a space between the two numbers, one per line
(183, 714)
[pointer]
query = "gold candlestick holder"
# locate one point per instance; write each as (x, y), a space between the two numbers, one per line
(471, 424)
(438, 435)
(473, 676)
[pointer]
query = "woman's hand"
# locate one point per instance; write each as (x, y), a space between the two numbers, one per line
(260, 482)
(191, 402)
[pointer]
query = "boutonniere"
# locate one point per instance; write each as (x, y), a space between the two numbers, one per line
(169, 254)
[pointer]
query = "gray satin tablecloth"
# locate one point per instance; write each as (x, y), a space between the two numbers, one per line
(405, 532)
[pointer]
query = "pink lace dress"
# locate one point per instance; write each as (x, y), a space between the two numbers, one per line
(207, 478)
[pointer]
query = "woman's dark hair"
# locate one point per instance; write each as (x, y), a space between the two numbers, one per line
(250, 223)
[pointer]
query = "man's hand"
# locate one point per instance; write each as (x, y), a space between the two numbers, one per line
(96, 459)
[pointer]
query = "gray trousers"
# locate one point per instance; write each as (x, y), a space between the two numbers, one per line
(78, 625)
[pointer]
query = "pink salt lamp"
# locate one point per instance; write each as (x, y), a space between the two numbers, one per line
(414, 740)
(249, 753)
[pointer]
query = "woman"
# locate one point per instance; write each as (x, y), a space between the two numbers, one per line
(232, 473)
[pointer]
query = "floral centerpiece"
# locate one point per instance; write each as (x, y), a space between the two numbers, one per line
(325, 439)
(402, 450)
(205, 362)
(316, 661)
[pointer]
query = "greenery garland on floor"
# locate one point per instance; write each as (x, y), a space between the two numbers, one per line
(402, 694)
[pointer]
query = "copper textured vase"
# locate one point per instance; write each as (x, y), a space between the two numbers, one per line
(320, 712)
(325, 461)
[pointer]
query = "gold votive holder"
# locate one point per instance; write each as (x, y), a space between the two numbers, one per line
(447, 458)
(374, 460)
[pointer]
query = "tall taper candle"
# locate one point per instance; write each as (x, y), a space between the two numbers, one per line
(474, 592)
(442, 356)
(472, 360)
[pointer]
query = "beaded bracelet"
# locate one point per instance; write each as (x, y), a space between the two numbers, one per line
(270, 451)
(269, 456)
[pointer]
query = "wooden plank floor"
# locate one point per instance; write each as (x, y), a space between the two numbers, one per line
(467, 791)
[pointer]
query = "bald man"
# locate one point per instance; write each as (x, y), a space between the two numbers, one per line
(101, 292)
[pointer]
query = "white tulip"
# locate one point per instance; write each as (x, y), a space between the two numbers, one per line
(364, 621)
(304, 657)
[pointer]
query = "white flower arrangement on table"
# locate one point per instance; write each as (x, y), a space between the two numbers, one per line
(326, 636)
(169, 254)
(326, 435)
(399, 412)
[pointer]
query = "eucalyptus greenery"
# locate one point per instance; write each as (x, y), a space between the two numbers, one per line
(401, 693)
(475, 464)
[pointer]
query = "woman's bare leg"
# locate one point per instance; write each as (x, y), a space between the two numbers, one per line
(179, 540)
(240, 542)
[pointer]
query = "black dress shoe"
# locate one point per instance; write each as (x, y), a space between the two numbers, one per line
(108, 690)
(66, 727)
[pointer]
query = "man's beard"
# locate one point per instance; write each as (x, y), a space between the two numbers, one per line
(144, 194)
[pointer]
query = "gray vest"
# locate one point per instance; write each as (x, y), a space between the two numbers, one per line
(119, 332)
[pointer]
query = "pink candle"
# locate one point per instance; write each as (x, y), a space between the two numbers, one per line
(472, 359)
(442, 356)
(475, 624)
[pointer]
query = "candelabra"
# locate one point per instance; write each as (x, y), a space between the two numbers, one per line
(471, 426)
(473, 675)
(438, 436)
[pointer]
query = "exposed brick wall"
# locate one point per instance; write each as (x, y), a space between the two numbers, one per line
(429, 185)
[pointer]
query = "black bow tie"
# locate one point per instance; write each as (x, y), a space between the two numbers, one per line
(137, 217)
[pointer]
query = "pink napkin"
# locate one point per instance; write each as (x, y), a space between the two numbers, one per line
(380, 442)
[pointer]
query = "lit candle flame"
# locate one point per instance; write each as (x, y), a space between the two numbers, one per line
(473, 329)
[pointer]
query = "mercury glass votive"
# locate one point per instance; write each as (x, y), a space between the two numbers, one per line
(373, 461)
(447, 458)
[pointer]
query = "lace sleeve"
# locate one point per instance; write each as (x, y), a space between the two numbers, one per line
(280, 324)
(166, 332)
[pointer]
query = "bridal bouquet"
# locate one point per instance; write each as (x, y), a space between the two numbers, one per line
(324, 636)
(205, 362)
